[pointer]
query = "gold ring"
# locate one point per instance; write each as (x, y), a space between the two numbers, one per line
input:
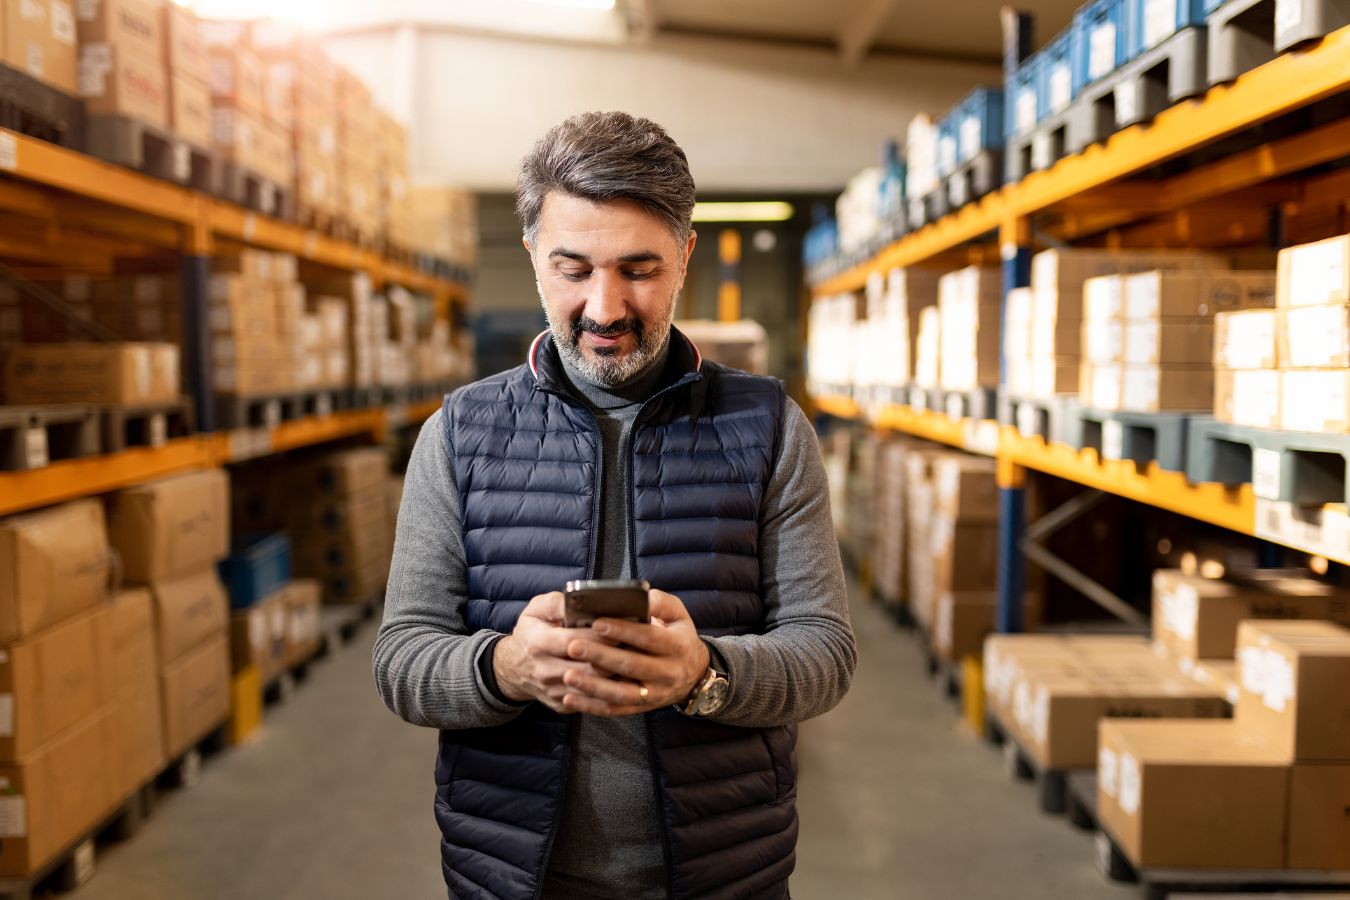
(642, 692)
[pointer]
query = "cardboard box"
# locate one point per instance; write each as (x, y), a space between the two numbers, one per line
(236, 78)
(185, 53)
(1319, 817)
(962, 622)
(189, 610)
(136, 26)
(1101, 386)
(277, 154)
(1103, 341)
(115, 81)
(303, 600)
(1294, 677)
(1065, 270)
(1051, 376)
(172, 526)
(965, 555)
(130, 663)
(37, 37)
(1246, 339)
(53, 565)
(349, 472)
(1314, 337)
(1198, 618)
(1249, 397)
(1165, 388)
(196, 694)
(1315, 274)
(966, 488)
(258, 637)
(236, 133)
(1220, 675)
(1168, 342)
(48, 683)
(55, 795)
(1059, 335)
(1192, 795)
(1104, 298)
(1162, 295)
(91, 373)
(1315, 400)
(190, 110)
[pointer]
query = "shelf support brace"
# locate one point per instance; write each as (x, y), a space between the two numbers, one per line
(195, 275)
(1015, 250)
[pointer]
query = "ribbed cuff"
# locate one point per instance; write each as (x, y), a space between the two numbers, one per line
(487, 678)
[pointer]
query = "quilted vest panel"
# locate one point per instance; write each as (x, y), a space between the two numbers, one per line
(526, 457)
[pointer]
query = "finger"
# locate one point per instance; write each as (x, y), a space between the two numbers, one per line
(666, 607)
(580, 703)
(626, 663)
(650, 638)
(619, 693)
(556, 640)
(548, 607)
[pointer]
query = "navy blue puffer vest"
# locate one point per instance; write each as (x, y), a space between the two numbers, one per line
(526, 456)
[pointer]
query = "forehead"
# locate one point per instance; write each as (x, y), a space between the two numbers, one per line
(566, 218)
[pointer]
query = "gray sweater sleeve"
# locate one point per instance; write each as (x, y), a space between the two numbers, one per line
(426, 662)
(803, 663)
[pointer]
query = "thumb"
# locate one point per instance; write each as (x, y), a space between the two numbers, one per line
(548, 607)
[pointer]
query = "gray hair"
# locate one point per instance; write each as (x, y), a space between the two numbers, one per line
(602, 156)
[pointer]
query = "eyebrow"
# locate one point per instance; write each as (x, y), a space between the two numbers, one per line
(639, 257)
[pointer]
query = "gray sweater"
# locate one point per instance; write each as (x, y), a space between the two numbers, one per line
(426, 662)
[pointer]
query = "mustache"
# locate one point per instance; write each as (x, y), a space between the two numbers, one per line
(613, 329)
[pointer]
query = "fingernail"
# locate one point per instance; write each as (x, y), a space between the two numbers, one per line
(602, 627)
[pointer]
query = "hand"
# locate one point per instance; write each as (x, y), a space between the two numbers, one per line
(667, 657)
(531, 661)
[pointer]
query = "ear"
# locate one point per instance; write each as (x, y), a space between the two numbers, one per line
(689, 248)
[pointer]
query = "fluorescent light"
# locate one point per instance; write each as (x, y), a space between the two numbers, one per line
(580, 4)
(751, 211)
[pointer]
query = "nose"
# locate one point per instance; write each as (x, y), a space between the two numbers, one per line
(608, 300)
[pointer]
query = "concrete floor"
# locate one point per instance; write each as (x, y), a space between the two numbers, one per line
(332, 800)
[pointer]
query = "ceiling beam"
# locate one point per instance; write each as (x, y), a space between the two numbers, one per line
(643, 22)
(859, 29)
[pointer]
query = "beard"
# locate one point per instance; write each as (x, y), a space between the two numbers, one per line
(607, 367)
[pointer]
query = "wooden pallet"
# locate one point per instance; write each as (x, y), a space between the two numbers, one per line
(153, 150)
(1052, 785)
(149, 425)
(30, 107)
(34, 436)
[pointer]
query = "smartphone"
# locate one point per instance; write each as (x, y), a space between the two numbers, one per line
(615, 598)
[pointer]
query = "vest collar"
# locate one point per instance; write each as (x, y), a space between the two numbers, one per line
(684, 363)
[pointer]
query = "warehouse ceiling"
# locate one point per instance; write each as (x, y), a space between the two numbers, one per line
(960, 29)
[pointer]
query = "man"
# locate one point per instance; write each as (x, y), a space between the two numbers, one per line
(624, 760)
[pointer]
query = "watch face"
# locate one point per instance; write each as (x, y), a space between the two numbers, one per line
(714, 697)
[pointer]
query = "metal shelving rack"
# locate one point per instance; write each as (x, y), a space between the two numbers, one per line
(1103, 192)
(62, 207)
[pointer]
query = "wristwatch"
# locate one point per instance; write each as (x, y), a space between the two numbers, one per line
(709, 695)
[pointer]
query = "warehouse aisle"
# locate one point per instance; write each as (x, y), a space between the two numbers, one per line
(333, 801)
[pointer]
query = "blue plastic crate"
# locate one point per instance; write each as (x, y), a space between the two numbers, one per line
(257, 565)
(1022, 97)
(979, 124)
(946, 148)
(1055, 78)
(1100, 41)
(1153, 21)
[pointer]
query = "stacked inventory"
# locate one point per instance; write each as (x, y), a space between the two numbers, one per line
(866, 453)
(256, 305)
(1268, 790)
(928, 348)
(188, 75)
(123, 70)
(170, 534)
(39, 40)
(357, 156)
(830, 331)
(121, 374)
(324, 344)
(888, 575)
(356, 293)
(278, 632)
(858, 211)
(1049, 692)
(1314, 337)
(239, 133)
(969, 301)
(439, 221)
(392, 202)
(884, 342)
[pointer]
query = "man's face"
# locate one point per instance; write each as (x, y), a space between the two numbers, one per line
(608, 276)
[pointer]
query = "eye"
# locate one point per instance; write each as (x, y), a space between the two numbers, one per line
(575, 276)
(638, 276)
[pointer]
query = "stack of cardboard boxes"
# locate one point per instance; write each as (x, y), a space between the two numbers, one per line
(358, 155)
(888, 576)
(355, 291)
(118, 374)
(440, 221)
(188, 76)
(237, 124)
(919, 506)
(82, 713)
(969, 301)
(279, 632)
(1268, 790)
(122, 64)
(256, 304)
(322, 362)
(39, 40)
(171, 534)
(829, 341)
(1150, 336)
(928, 348)
(1049, 692)
(393, 202)
(1289, 368)
(866, 451)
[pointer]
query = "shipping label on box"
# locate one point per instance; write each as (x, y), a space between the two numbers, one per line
(1315, 274)
(1315, 400)
(1246, 339)
(184, 48)
(1105, 385)
(135, 26)
(1293, 677)
(38, 38)
(1104, 340)
(116, 82)
(1249, 397)
(1170, 388)
(1168, 343)
(1315, 337)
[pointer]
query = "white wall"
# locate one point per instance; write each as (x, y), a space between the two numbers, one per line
(752, 117)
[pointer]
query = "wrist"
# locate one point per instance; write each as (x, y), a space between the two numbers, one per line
(505, 665)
